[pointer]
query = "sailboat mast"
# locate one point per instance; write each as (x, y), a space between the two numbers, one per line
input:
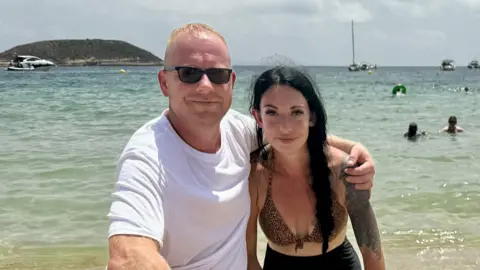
(353, 44)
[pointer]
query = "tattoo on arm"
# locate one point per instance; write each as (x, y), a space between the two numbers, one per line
(363, 219)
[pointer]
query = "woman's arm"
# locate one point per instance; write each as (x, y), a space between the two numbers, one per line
(365, 227)
(253, 263)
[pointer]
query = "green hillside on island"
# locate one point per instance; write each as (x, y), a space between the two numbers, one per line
(85, 52)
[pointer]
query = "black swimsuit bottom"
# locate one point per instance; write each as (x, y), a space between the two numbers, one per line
(342, 257)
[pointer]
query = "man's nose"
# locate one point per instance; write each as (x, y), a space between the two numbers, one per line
(205, 85)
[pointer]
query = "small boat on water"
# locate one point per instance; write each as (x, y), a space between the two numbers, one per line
(361, 67)
(367, 66)
(354, 67)
(447, 65)
(29, 63)
(473, 64)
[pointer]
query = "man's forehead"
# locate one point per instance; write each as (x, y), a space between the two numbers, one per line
(198, 41)
(198, 46)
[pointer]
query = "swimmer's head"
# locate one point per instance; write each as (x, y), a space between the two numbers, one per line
(452, 120)
(412, 129)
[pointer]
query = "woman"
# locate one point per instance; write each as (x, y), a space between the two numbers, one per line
(452, 127)
(296, 186)
(412, 134)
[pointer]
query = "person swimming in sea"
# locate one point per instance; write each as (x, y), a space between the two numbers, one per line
(412, 134)
(452, 127)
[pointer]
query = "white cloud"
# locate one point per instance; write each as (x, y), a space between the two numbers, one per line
(184, 8)
(377, 34)
(427, 38)
(221, 7)
(282, 7)
(345, 12)
(416, 8)
(475, 4)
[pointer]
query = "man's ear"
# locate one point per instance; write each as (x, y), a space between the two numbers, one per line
(234, 77)
(258, 118)
(162, 80)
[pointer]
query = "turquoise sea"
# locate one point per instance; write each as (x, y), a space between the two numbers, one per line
(61, 132)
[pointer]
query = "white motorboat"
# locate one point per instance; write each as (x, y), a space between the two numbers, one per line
(367, 66)
(29, 63)
(473, 64)
(447, 65)
(362, 66)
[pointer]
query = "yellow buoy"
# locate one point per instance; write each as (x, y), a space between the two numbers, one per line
(122, 71)
(370, 72)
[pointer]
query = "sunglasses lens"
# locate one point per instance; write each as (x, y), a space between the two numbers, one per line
(190, 74)
(219, 75)
(193, 75)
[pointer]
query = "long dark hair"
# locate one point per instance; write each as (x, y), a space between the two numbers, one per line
(317, 137)
(412, 129)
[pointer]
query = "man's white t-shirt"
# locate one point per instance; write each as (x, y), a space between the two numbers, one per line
(195, 204)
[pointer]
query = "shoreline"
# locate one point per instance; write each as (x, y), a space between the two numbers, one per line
(85, 257)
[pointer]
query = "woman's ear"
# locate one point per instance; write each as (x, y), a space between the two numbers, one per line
(258, 118)
(313, 119)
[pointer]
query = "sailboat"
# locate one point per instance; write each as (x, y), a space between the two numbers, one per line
(354, 66)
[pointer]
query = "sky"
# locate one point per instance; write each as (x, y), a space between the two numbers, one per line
(308, 32)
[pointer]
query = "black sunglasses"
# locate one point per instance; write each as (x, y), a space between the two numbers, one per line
(192, 75)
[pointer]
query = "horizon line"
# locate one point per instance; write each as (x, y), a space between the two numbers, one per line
(341, 66)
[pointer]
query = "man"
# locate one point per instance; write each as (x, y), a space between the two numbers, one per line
(181, 199)
(452, 127)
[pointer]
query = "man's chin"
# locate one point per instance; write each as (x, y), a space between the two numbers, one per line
(206, 105)
(207, 114)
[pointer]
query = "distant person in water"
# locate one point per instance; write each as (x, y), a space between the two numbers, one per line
(452, 126)
(412, 134)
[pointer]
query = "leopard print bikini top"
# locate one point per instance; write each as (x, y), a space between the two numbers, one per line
(277, 231)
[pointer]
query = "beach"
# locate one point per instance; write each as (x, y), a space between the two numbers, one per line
(61, 132)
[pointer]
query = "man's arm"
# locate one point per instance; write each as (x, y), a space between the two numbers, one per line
(133, 252)
(365, 227)
(136, 215)
(339, 143)
(361, 175)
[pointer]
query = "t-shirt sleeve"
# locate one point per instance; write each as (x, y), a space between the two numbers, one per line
(137, 207)
(250, 132)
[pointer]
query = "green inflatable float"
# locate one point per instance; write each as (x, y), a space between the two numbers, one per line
(399, 88)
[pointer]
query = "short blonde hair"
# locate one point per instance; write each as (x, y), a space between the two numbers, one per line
(195, 29)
